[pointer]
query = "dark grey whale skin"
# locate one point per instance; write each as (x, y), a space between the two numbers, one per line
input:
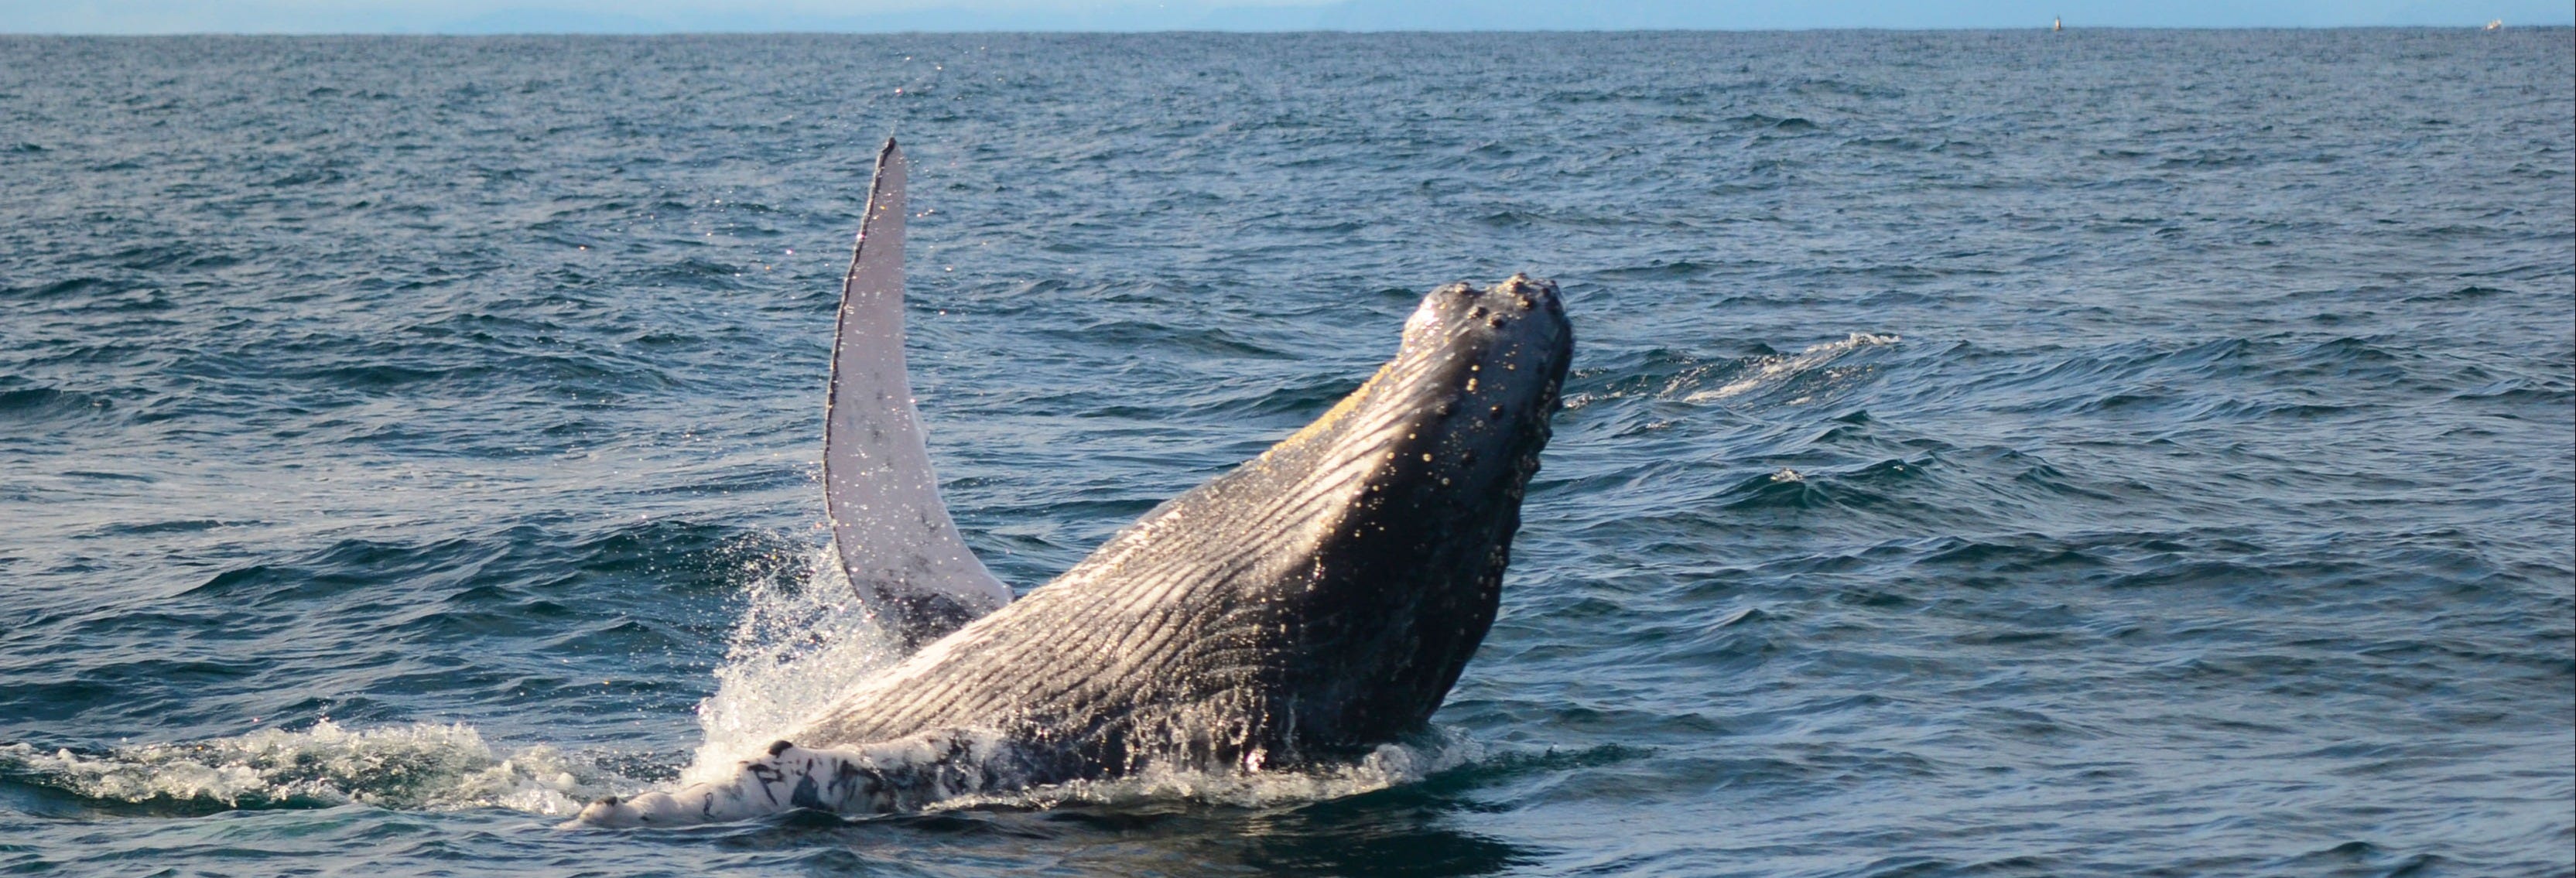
(1316, 601)
(1313, 603)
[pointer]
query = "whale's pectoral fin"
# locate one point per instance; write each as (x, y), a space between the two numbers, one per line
(892, 533)
(877, 778)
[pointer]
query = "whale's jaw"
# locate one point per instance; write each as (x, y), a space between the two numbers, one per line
(1407, 578)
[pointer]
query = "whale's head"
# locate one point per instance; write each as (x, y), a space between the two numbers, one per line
(1429, 460)
(1473, 386)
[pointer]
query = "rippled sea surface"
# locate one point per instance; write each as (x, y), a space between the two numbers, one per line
(2092, 453)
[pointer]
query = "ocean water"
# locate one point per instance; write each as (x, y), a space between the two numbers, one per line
(1987, 453)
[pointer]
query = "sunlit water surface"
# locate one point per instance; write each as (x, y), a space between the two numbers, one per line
(2089, 453)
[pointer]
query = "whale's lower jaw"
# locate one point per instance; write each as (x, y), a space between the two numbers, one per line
(1315, 602)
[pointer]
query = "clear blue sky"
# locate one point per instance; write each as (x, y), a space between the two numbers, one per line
(667, 16)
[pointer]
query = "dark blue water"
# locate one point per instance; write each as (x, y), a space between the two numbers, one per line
(2093, 453)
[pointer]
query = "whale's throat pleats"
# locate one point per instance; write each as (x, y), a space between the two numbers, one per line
(1320, 598)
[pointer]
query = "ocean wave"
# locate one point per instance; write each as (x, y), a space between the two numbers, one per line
(417, 767)
(1769, 373)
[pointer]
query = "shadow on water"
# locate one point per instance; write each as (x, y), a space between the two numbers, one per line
(1394, 833)
(1405, 831)
(1400, 832)
(1408, 831)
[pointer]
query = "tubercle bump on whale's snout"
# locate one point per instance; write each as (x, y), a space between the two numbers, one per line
(1464, 408)
(1519, 305)
(1503, 349)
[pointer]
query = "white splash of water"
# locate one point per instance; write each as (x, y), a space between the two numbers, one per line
(1773, 370)
(422, 766)
(803, 642)
(1389, 765)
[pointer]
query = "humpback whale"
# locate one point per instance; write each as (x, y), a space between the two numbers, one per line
(1307, 606)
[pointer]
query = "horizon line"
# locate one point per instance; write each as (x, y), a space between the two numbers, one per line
(441, 32)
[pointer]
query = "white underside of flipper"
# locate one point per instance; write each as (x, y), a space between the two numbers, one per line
(893, 535)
